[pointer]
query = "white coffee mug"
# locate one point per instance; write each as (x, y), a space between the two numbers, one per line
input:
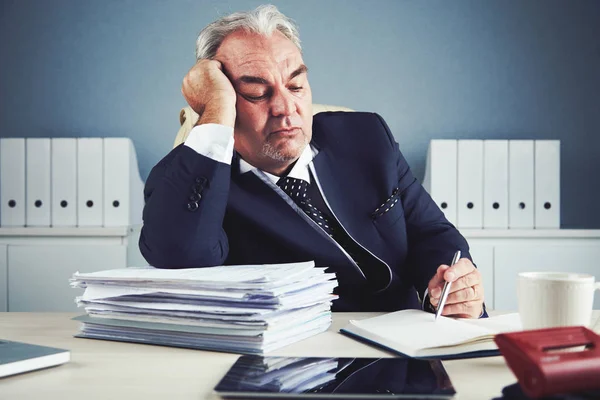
(549, 299)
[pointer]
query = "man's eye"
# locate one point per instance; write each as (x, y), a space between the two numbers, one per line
(255, 98)
(295, 88)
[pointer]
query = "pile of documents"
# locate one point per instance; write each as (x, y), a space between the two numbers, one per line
(241, 308)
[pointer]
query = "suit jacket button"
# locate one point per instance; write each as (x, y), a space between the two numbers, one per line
(192, 206)
(201, 180)
(195, 197)
(197, 187)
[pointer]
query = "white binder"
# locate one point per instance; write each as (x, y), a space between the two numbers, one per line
(495, 184)
(37, 194)
(89, 181)
(64, 182)
(440, 175)
(520, 184)
(470, 184)
(547, 184)
(123, 188)
(12, 182)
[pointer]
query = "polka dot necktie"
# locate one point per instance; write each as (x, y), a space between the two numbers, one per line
(297, 189)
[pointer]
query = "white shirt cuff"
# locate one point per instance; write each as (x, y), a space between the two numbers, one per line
(424, 297)
(213, 141)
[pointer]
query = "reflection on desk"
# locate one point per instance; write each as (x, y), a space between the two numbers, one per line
(339, 377)
(103, 370)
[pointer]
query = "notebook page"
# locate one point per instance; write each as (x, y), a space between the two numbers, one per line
(417, 329)
(498, 324)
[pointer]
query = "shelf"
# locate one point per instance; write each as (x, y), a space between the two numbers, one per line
(468, 233)
(532, 233)
(64, 231)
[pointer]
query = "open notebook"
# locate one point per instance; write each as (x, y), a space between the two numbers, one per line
(416, 333)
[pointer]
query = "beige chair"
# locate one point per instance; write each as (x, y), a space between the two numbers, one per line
(188, 118)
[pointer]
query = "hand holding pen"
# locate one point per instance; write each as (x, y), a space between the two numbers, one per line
(463, 288)
(446, 288)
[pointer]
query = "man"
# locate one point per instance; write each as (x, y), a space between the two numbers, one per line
(334, 189)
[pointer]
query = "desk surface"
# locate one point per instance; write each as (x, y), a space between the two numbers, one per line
(113, 370)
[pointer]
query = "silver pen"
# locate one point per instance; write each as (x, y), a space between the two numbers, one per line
(446, 289)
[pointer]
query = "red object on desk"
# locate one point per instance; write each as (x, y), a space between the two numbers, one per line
(541, 365)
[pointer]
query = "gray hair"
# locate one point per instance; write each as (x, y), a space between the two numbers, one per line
(262, 20)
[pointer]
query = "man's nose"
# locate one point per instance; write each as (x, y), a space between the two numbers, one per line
(282, 104)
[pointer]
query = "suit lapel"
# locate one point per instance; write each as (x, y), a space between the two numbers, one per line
(338, 183)
(342, 181)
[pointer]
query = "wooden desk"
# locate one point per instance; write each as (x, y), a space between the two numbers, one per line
(112, 370)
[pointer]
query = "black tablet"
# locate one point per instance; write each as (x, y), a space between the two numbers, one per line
(342, 378)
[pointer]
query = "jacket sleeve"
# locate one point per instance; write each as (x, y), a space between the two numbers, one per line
(432, 239)
(185, 200)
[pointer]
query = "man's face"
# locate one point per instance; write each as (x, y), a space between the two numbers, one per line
(274, 102)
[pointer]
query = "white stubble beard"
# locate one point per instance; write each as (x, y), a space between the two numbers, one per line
(273, 153)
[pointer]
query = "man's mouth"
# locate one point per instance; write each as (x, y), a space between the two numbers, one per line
(286, 132)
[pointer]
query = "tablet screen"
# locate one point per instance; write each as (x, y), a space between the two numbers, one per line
(348, 378)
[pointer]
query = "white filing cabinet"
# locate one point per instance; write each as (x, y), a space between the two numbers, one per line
(36, 263)
(502, 254)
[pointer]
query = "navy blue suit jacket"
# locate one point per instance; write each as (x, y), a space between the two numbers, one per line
(202, 213)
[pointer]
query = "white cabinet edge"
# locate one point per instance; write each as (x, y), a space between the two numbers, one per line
(64, 231)
(531, 233)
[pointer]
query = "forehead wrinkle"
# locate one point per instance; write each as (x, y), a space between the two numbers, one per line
(255, 61)
(274, 59)
(282, 70)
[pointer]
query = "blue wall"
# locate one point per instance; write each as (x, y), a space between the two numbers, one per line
(435, 69)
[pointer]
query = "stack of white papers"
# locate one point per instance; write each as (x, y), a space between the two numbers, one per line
(241, 308)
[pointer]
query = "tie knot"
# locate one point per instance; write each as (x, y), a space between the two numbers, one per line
(295, 188)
